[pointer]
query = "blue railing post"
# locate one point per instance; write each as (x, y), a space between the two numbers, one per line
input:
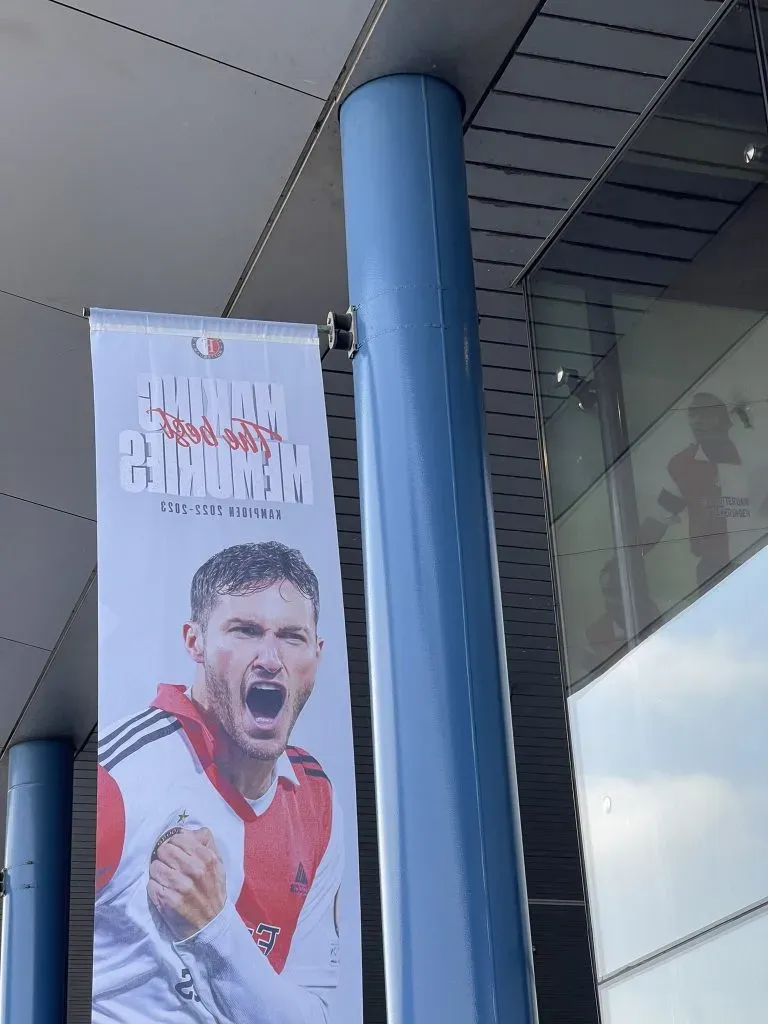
(457, 949)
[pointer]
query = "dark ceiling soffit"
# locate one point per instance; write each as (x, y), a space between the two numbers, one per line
(380, 49)
(682, 65)
(472, 114)
(43, 677)
(339, 88)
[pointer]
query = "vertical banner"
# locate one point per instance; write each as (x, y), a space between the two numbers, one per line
(227, 877)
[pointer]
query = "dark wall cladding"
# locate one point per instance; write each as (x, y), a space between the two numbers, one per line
(82, 885)
(550, 843)
(561, 961)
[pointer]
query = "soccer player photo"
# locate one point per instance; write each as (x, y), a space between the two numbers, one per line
(219, 850)
(227, 881)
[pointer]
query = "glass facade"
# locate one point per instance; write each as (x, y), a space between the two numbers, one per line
(650, 336)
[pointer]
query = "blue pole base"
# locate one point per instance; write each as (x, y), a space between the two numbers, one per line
(33, 949)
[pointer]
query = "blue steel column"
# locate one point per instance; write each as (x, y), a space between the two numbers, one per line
(456, 941)
(33, 952)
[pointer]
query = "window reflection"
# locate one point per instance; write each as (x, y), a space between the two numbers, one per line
(671, 758)
(709, 481)
(651, 344)
(719, 981)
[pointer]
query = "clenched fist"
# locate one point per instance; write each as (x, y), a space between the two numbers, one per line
(187, 883)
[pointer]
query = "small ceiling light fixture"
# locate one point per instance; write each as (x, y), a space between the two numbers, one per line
(754, 155)
(583, 390)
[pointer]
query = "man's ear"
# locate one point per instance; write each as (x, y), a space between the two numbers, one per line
(320, 646)
(193, 641)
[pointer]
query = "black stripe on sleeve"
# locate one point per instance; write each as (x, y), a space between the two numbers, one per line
(146, 723)
(104, 740)
(149, 738)
(317, 773)
(302, 759)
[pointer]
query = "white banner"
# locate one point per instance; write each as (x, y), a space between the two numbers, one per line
(227, 876)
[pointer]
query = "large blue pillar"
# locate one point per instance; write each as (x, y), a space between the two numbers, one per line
(33, 949)
(456, 940)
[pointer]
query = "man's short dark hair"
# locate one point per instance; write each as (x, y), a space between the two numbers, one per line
(246, 568)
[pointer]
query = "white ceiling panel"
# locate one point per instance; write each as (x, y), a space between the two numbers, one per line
(20, 667)
(45, 560)
(45, 397)
(300, 43)
(141, 174)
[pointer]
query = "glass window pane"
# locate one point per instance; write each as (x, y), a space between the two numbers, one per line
(649, 314)
(671, 754)
(651, 341)
(721, 981)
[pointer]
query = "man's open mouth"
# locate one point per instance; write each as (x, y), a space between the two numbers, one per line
(265, 701)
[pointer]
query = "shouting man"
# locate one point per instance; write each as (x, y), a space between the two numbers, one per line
(219, 845)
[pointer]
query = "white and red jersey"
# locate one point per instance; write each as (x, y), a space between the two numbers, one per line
(272, 954)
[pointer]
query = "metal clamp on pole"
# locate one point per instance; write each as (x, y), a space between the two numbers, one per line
(342, 331)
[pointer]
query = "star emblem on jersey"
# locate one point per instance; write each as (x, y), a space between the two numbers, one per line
(300, 885)
(182, 818)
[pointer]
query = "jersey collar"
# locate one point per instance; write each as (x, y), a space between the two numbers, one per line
(284, 770)
(204, 734)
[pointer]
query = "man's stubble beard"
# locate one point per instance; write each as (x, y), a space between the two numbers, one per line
(221, 706)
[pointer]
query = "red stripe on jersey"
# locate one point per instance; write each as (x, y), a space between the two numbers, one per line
(202, 733)
(283, 850)
(110, 827)
(283, 847)
(698, 483)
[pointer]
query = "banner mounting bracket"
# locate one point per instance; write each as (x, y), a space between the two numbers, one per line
(342, 331)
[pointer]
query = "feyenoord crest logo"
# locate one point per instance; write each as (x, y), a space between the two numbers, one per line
(208, 348)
